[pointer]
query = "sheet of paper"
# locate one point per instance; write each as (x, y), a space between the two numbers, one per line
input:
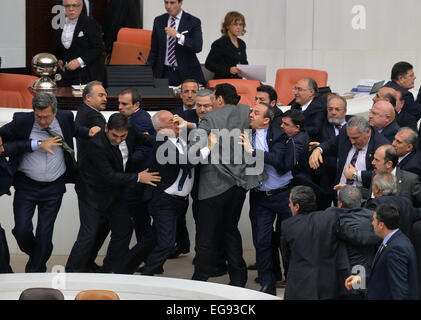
(253, 72)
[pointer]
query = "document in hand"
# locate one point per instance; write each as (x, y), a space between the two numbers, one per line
(253, 72)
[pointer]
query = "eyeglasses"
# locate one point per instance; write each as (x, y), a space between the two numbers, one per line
(68, 6)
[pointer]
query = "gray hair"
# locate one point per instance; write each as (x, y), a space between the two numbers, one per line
(155, 119)
(360, 123)
(412, 137)
(43, 100)
(305, 197)
(88, 88)
(337, 96)
(385, 182)
(350, 197)
(205, 93)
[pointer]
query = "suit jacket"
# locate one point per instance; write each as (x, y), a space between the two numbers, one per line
(411, 106)
(17, 133)
(405, 119)
(188, 64)
(389, 131)
(224, 55)
(314, 116)
(314, 256)
(412, 162)
(277, 119)
(394, 271)
(102, 171)
(219, 177)
(340, 147)
(87, 117)
(408, 214)
(190, 116)
(87, 44)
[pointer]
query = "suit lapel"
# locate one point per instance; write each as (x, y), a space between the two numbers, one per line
(370, 151)
(78, 28)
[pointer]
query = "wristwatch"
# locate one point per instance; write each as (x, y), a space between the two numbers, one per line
(178, 36)
(39, 143)
(354, 175)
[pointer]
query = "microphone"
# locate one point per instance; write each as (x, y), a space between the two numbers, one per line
(141, 58)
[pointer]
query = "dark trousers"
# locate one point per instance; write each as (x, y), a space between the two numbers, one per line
(165, 210)
(138, 211)
(416, 241)
(121, 233)
(173, 76)
(264, 210)
(217, 224)
(182, 236)
(48, 201)
(4, 254)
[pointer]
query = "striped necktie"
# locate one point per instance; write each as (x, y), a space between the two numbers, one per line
(64, 144)
(353, 161)
(171, 45)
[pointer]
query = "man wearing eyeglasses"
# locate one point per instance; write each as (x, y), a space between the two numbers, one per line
(382, 118)
(79, 47)
(311, 105)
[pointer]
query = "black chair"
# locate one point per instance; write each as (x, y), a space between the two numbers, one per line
(41, 294)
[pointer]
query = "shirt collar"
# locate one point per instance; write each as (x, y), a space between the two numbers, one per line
(178, 16)
(386, 239)
(71, 21)
(303, 107)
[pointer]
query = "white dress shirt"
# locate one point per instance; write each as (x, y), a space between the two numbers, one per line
(180, 41)
(359, 164)
(304, 107)
(67, 36)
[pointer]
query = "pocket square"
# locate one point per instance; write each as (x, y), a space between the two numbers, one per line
(80, 34)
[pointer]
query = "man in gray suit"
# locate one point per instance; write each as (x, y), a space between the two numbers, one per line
(223, 185)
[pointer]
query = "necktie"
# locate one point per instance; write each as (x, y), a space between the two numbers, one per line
(382, 246)
(171, 45)
(353, 161)
(64, 144)
(253, 140)
(339, 127)
(186, 172)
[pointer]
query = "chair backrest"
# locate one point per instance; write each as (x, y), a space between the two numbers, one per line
(287, 78)
(129, 54)
(41, 294)
(246, 89)
(14, 90)
(136, 36)
(97, 295)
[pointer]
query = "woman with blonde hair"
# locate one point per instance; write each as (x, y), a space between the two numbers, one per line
(228, 50)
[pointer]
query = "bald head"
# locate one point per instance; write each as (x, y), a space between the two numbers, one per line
(381, 114)
(385, 93)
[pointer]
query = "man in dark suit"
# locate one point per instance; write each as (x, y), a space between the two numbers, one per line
(176, 39)
(394, 270)
(333, 124)
(40, 146)
(78, 47)
(408, 184)
(354, 149)
(382, 118)
(405, 146)
(224, 181)
(129, 101)
(311, 105)
(89, 115)
(403, 79)
(355, 229)
(189, 89)
(105, 171)
(311, 248)
(269, 201)
(385, 191)
(267, 94)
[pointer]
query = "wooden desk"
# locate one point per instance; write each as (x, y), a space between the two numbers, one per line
(66, 100)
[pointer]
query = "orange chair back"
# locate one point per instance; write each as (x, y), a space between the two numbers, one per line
(14, 90)
(97, 295)
(133, 35)
(287, 78)
(246, 89)
(129, 53)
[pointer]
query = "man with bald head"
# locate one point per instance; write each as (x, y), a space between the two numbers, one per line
(311, 105)
(395, 97)
(382, 119)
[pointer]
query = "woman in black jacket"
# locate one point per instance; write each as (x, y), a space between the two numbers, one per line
(229, 50)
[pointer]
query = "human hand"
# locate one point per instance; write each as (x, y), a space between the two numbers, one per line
(49, 143)
(339, 186)
(181, 122)
(313, 145)
(73, 65)
(171, 32)
(348, 172)
(245, 141)
(1, 146)
(61, 65)
(147, 177)
(94, 130)
(235, 70)
(316, 159)
(212, 140)
(352, 280)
